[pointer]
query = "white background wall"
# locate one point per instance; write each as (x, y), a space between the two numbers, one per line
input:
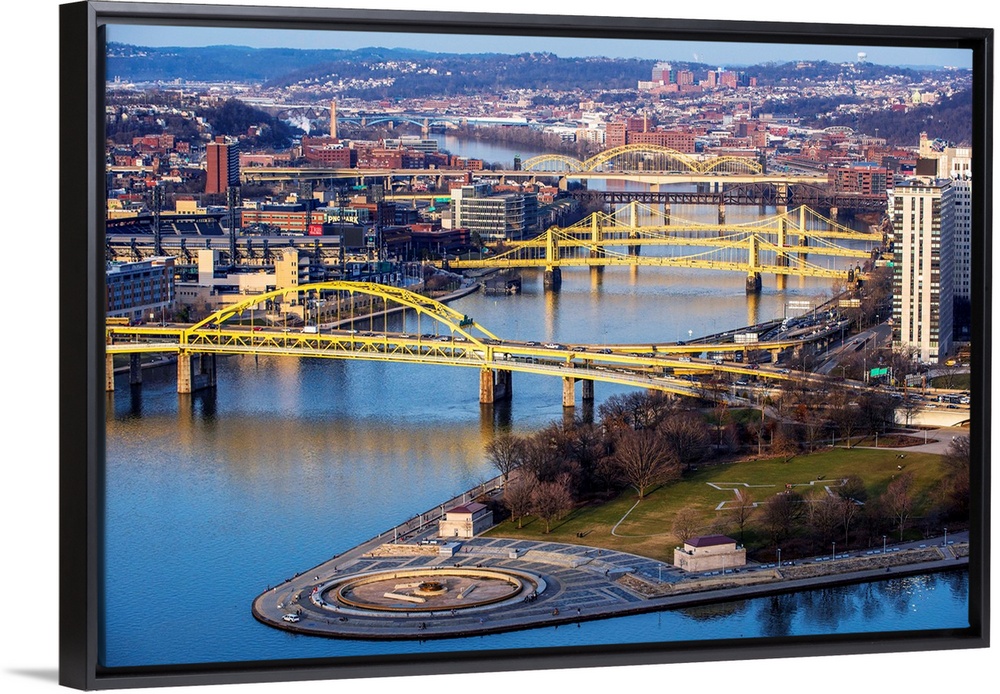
(29, 564)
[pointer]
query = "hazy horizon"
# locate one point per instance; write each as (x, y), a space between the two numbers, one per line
(720, 53)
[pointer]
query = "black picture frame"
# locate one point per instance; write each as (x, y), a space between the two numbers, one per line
(81, 337)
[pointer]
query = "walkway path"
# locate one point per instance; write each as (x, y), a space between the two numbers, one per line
(580, 583)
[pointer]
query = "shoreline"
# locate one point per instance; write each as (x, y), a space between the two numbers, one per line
(578, 583)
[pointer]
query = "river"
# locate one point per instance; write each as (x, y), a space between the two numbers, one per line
(213, 497)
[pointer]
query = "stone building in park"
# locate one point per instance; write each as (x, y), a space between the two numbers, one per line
(709, 553)
(465, 521)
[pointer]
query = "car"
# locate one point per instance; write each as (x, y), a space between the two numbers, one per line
(685, 359)
(444, 338)
(531, 343)
(493, 342)
(257, 328)
(461, 338)
(604, 351)
(290, 617)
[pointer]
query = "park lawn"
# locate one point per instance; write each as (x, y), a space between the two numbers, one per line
(646, 528)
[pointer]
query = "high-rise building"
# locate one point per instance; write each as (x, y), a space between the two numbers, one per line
(493, 217)
(222, 159)
(923, 235)
(955, 163)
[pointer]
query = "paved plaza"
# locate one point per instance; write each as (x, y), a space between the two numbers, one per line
(562, 584)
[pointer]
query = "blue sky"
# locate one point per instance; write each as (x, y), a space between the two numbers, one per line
(721, 54)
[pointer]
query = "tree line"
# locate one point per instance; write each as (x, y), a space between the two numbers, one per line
(644, 440)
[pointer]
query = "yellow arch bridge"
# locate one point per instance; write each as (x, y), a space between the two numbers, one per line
(642, 157)
(451, 339)
(778, 245)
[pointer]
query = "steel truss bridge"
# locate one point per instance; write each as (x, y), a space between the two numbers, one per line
(767, 194)
(777, 245)
(452, 339)
(650, 164)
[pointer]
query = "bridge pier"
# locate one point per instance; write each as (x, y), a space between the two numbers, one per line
(134, 369)
(569, 391)
(722, 214)
(195, 372)
(494, 386)
(587, 388)
(552, 279)
(754, 283)
(486, 393)
(109, 373)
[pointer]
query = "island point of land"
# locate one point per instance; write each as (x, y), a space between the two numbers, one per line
(455, 573)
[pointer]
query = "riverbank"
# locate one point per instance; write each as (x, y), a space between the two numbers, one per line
(559, 584)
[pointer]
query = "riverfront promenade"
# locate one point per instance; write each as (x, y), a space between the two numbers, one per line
(563, 584)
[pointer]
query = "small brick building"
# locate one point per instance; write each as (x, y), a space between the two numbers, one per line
(709, 553)
(465, 521)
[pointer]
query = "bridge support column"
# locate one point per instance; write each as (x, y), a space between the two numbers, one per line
(195, 372)
(781, 282)
(569, 391)
(722, 214)
(486, 386)
(552, 279)
(833, 213)
(109, 373)
(134, 369)
(754, 283)
(587, 387)
(503, 385)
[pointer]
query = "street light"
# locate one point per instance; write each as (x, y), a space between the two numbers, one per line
(883, 544)
(779, 557)
(834, 551)
(946, 537)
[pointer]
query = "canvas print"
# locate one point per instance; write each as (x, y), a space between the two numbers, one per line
(438, 343)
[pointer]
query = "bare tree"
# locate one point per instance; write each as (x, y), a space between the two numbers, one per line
(642, 459)
(898, 500)
(506, 453)
(686, 523)
(824, 517)
(684, 434)
(638, 410)
(850, 510)
(517, 494)
(740, 512)
(955, 491)
(551, 501)
(781, 513)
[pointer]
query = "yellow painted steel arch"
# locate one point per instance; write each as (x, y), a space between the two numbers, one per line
(592, 164)
(731, 165)
(536, 163)
(447, 316)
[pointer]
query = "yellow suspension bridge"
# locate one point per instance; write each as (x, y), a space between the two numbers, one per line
(777, 245)
(451, 340)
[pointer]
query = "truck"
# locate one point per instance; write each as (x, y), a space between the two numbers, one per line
(311, 329)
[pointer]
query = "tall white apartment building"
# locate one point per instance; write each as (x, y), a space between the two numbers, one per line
(923, 236)
(956, 163)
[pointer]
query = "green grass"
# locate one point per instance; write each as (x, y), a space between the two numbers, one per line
(647, 530)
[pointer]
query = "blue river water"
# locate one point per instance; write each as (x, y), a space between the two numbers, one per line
(211, 498)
